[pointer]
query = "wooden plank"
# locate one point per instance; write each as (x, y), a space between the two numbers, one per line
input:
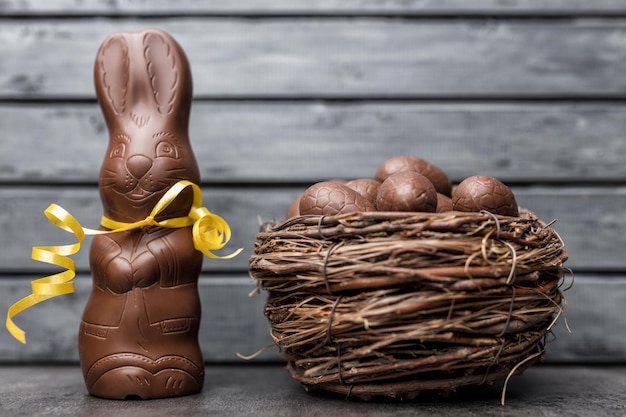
(233, 322)
(594, 315)
(302, 142)
(235, 57)
(590, 221)
(70, 7)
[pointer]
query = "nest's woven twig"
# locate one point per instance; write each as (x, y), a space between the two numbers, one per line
(395, 304)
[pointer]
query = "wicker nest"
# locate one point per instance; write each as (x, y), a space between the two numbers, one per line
(399, 304)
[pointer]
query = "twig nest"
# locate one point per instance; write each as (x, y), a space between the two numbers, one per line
(416, 293)
(329, 197)
(481, 192)
(407, 191)
(396, 304)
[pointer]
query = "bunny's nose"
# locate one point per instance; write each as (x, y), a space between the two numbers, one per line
(138, 165)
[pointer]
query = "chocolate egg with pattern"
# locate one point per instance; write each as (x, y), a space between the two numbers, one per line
(367, 187)
(407, 191)
(412, 163)
(481, 192)
(329, 198)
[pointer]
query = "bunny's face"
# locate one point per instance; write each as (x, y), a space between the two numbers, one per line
(143, 83)
(139, 167)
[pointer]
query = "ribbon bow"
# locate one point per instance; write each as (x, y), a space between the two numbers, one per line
(210, 232)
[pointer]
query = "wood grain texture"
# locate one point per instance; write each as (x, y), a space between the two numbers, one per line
(234, 57)
(233, 322)
(590, 221)
(69, 7)
(254, 142)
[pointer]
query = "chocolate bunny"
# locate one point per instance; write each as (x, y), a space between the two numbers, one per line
(139, 331)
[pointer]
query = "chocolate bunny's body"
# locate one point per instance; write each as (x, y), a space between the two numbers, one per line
(139, 330)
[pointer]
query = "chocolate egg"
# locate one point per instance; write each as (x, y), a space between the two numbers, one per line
(367, 187)
(481, 192)
(328, 198)
(407, 191)
(294, 208)
(444, 203)
(412, 163)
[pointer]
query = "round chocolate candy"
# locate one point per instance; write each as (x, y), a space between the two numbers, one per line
(328, 198)
(407, 191)
(367, 187)
(481, 192)
(412, 163)
(294, 208)
(444, 203)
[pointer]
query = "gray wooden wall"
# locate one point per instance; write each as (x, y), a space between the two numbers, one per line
(288, 93)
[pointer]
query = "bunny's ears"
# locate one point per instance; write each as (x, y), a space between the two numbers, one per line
(140, 76)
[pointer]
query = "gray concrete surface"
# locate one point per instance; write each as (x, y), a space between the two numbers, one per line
(267, 390)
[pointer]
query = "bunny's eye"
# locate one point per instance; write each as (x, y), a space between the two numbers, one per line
(166, 149)
(118, 151)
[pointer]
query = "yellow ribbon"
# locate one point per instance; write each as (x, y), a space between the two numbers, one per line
(210, 232)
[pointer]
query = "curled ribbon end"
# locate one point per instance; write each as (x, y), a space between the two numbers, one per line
(21, 337)
(52, 285)
(211, 255)
(15, 331)
(211, 232)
